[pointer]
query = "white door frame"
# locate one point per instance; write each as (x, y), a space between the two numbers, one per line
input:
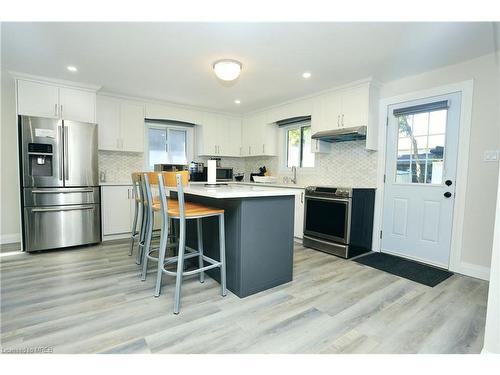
(466, 88)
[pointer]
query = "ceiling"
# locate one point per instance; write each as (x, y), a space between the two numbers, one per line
(172, 61)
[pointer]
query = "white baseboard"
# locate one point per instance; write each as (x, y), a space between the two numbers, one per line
(111, 237)
(10, 238)
(473, 270)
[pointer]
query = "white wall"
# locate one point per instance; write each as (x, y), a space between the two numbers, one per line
(492, 329)
(9, 191)
(482, 176)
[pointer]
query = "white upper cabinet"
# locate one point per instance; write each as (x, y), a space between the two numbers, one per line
(348, 107)
(354, 106)
(259, 138)
(37, 99)
(108, 123)
(219, 135)
(77, 105)
(50, 100)
(120, 124)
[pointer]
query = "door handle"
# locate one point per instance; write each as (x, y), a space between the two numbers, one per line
(80, 208)
(61, 158)
(448, 182)
(66, 154)
(62, 191)
(447, 194)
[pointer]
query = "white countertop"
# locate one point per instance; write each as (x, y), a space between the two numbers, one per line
(234, 191)
(275, 185)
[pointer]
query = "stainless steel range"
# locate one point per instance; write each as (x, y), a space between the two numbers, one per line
(60, 195)
(339, 221)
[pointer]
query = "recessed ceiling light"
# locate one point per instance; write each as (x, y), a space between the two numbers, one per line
(237, 101)
(72, 68)
(227, 70)
(306, 75)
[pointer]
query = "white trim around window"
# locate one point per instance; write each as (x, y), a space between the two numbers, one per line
(166, 125)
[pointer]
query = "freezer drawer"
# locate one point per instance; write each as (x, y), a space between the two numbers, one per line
(60, 196)
(52, 227)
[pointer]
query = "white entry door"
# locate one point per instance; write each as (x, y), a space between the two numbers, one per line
(419, 194)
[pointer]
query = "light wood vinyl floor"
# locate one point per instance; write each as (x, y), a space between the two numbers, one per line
(91, 300)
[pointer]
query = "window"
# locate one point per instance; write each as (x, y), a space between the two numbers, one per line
(421, 146)
(167, 144)
(298, 146)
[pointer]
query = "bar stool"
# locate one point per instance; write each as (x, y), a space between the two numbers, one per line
(182, 211)
(138, 210)
(150, 206)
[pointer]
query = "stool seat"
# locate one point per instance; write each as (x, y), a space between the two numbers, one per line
(191, 209)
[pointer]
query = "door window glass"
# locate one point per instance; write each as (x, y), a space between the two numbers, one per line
(421, 146)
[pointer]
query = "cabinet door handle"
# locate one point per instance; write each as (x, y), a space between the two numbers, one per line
(263, 148)
(61, 111)
(249, 150)
(128, 193)
(301, 197)
(342, 120)
(338, 121)
(215, 149)
(55, 110)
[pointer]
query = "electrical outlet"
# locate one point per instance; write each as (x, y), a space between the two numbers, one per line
(490, 155)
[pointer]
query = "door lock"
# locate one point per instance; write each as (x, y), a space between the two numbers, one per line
(448, 182)
(447, 194)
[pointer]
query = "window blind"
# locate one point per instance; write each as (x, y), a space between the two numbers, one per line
(293, 120)
(421, 108)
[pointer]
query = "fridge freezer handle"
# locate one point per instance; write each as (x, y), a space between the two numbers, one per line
(66, 153)
(61, 157)
(57, 209)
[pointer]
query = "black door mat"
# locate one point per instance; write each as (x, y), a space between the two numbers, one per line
(414, 271)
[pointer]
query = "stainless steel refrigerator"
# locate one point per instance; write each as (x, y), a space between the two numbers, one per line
(60, 194)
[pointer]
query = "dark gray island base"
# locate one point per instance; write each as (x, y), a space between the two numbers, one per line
(259, 241)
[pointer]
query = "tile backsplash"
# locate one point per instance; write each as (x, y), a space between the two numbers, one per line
(347, 164)
(118, 166)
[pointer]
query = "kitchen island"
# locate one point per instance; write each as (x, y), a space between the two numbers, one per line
(259, 234)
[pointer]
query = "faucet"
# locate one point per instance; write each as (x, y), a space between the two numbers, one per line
(294, 178)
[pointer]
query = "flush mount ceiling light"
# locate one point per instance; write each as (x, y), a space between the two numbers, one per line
(237, 101)
(306, 75)
(71, 68)
(227, 70)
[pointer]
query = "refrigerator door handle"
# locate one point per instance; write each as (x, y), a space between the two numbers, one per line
(61, 157)
(62, 191)
(56, 209)
(66, 153)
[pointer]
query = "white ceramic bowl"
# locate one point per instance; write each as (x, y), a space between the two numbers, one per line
(265, 179)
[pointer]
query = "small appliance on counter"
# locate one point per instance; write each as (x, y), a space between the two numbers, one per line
(222, 174)
(262, 172)
(170, 167)
(196, 171)
(239, 177)
(339, 221)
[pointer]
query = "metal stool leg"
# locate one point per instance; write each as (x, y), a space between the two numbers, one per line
(180, 267)
(142, 235)
(200, 248)
(147, 246)
(222, 246)
(134, 229)
(161, 257)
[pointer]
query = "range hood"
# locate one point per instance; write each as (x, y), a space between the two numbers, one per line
(342, 134)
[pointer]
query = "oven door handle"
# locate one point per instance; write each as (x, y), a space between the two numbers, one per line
(343, 200)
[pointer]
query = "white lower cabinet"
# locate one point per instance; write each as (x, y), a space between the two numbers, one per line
(298, 230)
(117, 207)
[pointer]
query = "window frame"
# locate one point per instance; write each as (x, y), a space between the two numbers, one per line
(284, 149)
(166, 125)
